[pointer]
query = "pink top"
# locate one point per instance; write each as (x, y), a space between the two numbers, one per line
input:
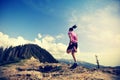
(73, 36)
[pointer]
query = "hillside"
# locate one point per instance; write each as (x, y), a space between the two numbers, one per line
(14, 54)
(31, 62)
(32, 69)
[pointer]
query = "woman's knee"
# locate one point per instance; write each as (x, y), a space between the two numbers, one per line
(68, 51)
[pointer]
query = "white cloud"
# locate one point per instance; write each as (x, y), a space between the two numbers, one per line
(111, 56)
(49, 43)
(74, 17)
(59, 36)
(7, 41)
(57, 49)
(99, 34)
(39, 36)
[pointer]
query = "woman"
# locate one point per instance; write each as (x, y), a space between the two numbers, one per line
(73, 44)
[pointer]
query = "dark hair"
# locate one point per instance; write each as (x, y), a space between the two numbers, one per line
(70, 29)
(73, 27)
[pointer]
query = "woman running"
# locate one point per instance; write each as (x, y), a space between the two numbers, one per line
(73, 44)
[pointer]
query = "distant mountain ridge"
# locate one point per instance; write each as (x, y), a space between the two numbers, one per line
(26, 51)
(86, 64)
(81, 63)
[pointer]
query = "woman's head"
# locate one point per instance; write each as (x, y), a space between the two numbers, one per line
(73, 27)
(70, 29)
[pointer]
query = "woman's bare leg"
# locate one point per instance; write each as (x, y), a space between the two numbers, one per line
(73, 55)
(75, 64)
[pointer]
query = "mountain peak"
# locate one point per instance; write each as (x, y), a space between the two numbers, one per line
(26, 51)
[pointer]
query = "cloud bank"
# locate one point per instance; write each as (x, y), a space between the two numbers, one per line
(99, 34)
(7, 41)
(57, 49)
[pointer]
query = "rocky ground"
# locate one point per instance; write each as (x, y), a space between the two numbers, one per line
(32, 69)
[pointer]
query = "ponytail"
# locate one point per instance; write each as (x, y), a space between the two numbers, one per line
(74, 27)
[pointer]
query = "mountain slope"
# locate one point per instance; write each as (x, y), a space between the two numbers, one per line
(18, 53)
(31, 69)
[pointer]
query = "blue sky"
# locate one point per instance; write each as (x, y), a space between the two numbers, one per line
(19, 17)
(30, 17)
(46, 22)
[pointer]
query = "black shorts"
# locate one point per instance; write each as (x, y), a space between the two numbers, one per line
(71, 46)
